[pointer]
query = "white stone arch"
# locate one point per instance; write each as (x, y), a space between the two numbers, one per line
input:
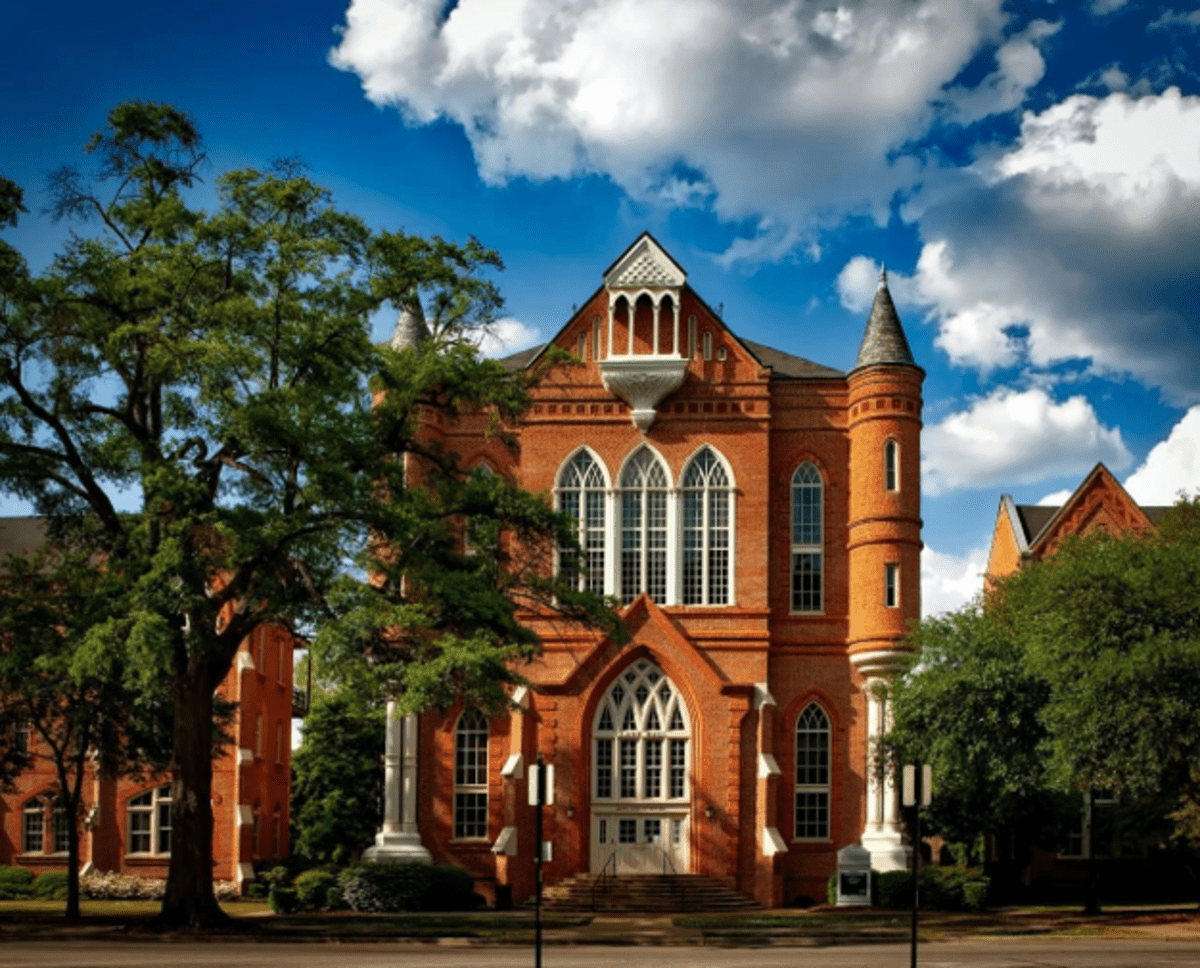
(707, 547)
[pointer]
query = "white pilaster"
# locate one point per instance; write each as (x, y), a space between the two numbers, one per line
(399, 840)
(883, 834)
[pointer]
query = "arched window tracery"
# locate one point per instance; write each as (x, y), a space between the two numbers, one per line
(581, 494)
(706, 530)
(644, 527)
(812, 773)
(808, 553)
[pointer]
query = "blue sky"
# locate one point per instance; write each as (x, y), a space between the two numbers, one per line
(1028, 171)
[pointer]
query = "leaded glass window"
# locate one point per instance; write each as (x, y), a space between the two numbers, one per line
(808, 551)
(581, 494)
(812, 774)
(706, 531)
(471, 775)
(651, 761)
(644, 528)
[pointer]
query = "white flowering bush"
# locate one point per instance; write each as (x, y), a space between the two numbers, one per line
(111, 886)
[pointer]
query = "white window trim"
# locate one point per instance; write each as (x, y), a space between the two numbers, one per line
(33, 807)
(609, 501)
(157, 798)
(617, 533)
(806, 549)
(675, 536)
(472, 788)
(826, 787)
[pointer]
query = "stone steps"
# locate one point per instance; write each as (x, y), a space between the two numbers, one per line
(644, 893)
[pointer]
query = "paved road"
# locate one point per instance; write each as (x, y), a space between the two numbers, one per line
(1072, 953)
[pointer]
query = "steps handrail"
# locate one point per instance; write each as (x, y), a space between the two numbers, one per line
(602, 880)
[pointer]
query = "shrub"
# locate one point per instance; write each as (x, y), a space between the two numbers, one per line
(386, 887)
(955, 888)
(975, 894)
(451, 889)
(335, 897)
(51, 885)
(110, 886)
(15, 876)
(283, 900)
(278, 876)
(312, 886)
(258, 890)
(831, 889)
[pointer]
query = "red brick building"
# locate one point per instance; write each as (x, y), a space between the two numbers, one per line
(759, 517)
(127, 825)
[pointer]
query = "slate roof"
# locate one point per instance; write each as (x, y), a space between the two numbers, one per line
(410, 326)
(883, 339)
(1035, 517)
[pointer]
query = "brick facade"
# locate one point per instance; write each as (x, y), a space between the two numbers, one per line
(746, 668)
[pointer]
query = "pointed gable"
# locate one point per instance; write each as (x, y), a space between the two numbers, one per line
(645, 265)
(1099, 502)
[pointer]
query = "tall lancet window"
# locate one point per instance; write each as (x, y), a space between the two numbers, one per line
(812, 774)
(471, 776)
(891, 460)
(706, 531)
(581, 490)
(644, 528)
(807, 547)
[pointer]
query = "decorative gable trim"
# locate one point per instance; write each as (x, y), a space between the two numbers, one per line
(645, 265)
(1082, 507)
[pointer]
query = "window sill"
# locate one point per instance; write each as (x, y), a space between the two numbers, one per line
(147, 859)
(812, 841)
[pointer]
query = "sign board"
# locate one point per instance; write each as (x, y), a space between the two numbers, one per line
(910, 785)
(537, 776)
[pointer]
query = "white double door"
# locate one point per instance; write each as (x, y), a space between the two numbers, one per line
(640, 842)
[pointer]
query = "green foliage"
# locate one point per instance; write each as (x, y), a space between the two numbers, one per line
(258, 890)
(15, 882)
(312, 887)
(387, 886)
(942, 889)
(278, 876)
(20, 876)
(337, 790)
(283, 900)
(217, 366)
(831, 889)
(335, 897)
(51, 884)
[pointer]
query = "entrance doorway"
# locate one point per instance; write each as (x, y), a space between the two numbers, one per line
(641, 763)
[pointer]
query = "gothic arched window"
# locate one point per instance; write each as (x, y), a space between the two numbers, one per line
(471, 775)
(641, 738)
(706, 530)
(812, 774)
(807, 538)
(581, 494)
(644, 528)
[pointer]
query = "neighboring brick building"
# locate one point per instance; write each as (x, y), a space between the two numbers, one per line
(1029, 532)
(759, 516)
(1026, 533)
(127, 822)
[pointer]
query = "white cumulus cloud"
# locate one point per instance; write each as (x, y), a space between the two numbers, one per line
(1079, 242)
(1171, 467)
(786, 113)
(1017, 437)
(948, 582)
(506, 336)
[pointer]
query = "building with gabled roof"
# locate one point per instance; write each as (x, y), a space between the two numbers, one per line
(757, 517)
(1029, 532)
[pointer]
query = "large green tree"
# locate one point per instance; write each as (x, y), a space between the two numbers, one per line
(84, 706)
(214, 369)
(1081, 672)
(337, 786)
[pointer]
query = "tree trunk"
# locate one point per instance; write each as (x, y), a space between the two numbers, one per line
(189, 900)
(73, 912)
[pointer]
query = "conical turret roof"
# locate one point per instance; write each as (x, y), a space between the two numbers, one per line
(410, 325)
(883, 340)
